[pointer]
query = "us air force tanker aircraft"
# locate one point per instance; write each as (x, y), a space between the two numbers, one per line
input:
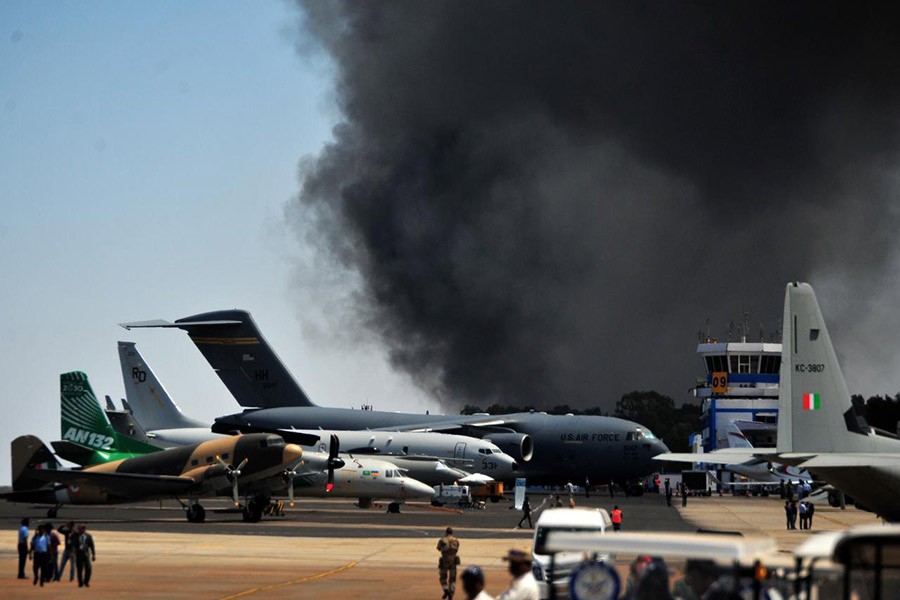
(432, 458)
(818, 428)
(561, 448)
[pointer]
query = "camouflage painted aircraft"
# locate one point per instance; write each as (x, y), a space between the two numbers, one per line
(255, 465)
(120, 469)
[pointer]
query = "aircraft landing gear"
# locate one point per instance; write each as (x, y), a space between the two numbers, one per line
(365, 503)
(195, 513)
(253, 510)
(51, 512)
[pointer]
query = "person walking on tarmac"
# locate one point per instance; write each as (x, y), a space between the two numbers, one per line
(448, 546)
(617, 518)
(85, 554)
(40, 554)
(526, 514)
(683, 494)
(23, 546)
(67, 532)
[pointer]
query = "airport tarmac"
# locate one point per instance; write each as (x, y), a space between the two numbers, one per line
(330, 549)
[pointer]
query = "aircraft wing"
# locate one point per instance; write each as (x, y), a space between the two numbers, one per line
(289, 435)
(125, 484)
(725, 456)
(453, 423)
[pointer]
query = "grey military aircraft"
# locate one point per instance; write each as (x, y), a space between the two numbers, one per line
(562, 448)
(432, 458)
(818, 428)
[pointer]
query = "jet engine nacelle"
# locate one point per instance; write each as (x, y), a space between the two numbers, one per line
(518, 445)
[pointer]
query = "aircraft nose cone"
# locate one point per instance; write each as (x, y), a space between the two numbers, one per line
(413, 488)
(292, 453)
(659, 447)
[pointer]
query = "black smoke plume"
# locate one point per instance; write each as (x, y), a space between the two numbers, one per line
(543, 202)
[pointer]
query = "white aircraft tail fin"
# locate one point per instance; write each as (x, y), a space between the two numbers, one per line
(815, 413)
(736, 437)
(147, 399)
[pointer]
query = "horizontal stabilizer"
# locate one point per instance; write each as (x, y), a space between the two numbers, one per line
(169, 324)
(836, 460)
(123, 484)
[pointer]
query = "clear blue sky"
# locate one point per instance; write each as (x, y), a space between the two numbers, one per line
(147, 153)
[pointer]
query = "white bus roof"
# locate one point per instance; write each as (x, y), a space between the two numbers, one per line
(828, 544)
(668, 545)
(573, 517)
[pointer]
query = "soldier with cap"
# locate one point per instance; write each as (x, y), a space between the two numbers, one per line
(523, 586)
(473, 583)
(448, 546)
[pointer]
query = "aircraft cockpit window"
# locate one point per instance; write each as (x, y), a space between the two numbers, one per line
(388, 473)
(224, 456)
(484, 451)
(634, 436)
(273, 441)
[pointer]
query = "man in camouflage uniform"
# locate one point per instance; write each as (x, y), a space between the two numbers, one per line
(448, 546)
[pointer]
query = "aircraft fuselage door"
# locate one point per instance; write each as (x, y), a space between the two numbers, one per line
(460, 450)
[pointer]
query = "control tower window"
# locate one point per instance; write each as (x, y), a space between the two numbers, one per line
(717, 363)
(777, 367)
(754, 363)
(743, 363)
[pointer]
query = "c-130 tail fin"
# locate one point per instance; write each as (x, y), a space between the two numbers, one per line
(234, 347)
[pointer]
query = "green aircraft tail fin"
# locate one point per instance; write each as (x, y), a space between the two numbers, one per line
(84, 423)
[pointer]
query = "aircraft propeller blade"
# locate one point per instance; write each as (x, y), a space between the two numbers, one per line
(233, 473)
(333, 461)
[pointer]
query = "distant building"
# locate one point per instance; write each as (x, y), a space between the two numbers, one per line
(741, 384)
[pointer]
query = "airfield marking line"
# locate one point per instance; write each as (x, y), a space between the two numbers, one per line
(275, 586)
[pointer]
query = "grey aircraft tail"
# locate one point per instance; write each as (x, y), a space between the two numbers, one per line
(815, 413)
(234, 347)
(28, 453)
(148, 400)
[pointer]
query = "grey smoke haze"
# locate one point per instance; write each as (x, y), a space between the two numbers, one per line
(542, 203)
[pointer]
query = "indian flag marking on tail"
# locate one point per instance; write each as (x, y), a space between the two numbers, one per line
(812, 401)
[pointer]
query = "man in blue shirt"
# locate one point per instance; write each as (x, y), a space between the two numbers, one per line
(40, 554)
(23, 546)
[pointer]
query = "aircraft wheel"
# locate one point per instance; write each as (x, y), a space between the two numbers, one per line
(495, 499)
(365, 503)
(253, 512)
(196, 514)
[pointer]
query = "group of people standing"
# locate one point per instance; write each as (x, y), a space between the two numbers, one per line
(43, 551)
(804, 509)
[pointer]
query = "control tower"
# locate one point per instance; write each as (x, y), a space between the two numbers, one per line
(741, 384)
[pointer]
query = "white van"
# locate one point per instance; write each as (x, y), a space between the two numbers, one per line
(563, 519)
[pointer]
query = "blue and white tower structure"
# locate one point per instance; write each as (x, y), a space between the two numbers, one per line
(741, 384)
